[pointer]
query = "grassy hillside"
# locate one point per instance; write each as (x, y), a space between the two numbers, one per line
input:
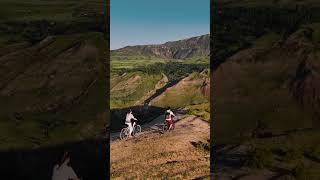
(53, 79)
(185, 92)
(257, 63)
(200, 110)
(136, 78)
(266, 74)
(127, 89)
(49, 110)
(181, 154)
(53, 59)
(32, 21)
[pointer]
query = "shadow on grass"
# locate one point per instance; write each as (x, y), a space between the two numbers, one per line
(161, 90)
(225, 158)
(89, 159)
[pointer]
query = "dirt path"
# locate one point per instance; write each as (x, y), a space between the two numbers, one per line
(155, 155)
(154, 125)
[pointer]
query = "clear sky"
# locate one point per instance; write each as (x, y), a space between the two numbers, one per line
(138, 22)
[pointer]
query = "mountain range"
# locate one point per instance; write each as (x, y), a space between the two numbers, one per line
(181, 49)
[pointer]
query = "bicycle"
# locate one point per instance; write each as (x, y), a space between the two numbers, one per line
(124, 134)
(165, 126)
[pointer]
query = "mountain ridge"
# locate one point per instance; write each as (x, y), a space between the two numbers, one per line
(180, 49)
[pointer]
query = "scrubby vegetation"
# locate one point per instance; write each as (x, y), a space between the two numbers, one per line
(173, 70)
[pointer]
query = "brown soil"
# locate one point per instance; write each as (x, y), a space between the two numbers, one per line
(154, 155)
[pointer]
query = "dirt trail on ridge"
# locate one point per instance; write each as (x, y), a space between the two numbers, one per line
(172, 154)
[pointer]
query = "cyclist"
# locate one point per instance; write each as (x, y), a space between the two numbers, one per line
(168, 117)
(128, 122)
(170, 112)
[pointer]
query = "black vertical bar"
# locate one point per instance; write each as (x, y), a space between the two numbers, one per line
(107, 35)
(212, 107)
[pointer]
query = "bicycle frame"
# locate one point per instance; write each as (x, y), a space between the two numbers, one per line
(133, 125)
(126, 129)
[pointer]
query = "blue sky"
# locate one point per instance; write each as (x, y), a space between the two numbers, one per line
(138, 22)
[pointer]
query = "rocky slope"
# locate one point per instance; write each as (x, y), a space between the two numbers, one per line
(186, 48)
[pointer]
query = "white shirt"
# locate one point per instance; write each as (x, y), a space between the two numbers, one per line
(171, 113)
(64, 172)
(129, 117)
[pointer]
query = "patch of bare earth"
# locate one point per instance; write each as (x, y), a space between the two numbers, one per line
(128, 86)
(156, 155)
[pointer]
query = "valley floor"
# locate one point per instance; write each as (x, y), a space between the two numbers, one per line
(170, 155)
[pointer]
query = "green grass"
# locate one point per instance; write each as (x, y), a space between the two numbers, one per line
(200, 110)
(197, 60)
(267, 40)
(127, 96)
(133, 62)
(184, 95)
(175, 100)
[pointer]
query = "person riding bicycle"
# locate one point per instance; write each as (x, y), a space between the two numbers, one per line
(168, 117)
(128, 121)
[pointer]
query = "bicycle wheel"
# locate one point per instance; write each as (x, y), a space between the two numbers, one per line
(124, 134)
(137, 129)
(165, 127)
